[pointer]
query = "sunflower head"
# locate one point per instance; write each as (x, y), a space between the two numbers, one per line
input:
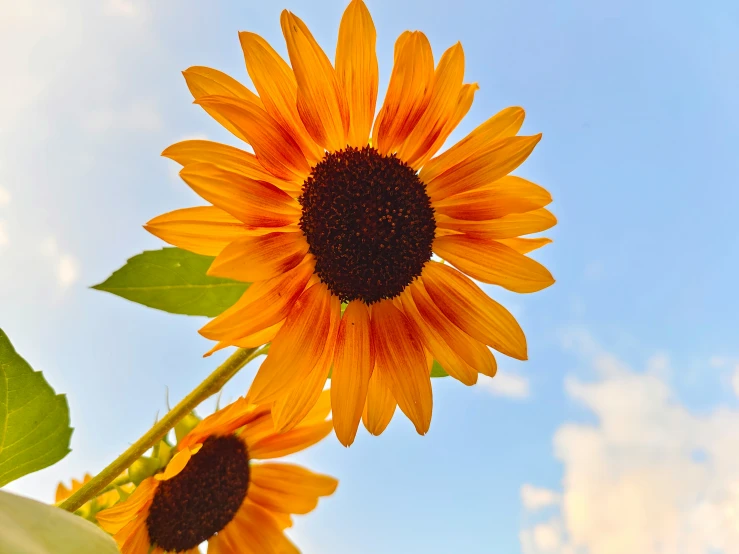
(339, 203)
(218, 489)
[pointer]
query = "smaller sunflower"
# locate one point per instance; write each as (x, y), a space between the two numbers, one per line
(101, 502)
(212, 490)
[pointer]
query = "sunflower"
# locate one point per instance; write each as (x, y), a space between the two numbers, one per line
(92, 507)
(337, 230)
(212, 490)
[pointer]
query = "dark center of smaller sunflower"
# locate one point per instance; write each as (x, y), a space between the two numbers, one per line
(369, 223)
(202, 499)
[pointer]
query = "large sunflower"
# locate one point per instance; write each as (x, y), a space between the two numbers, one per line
(322, 215)
(212, 490)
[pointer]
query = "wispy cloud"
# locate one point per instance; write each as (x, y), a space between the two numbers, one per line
(505, 384)
(649, 477)
(4, 196)
(535, 498)
(66, 266)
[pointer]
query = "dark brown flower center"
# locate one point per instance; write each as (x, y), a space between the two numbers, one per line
(369, 223)
(201, 500)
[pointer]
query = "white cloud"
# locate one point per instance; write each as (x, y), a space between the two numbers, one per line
(505, 384)
(535, 498)
(4, 238)
(67, 270)
(66, 265)
(4, 197)
(717, 361)
(649, 477)
(735, 380)
(124, 8)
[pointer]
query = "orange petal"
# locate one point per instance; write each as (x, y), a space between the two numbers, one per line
(408, 92)
(492, 262)
(470, 309)
(254, 526)
(224, 421)
(523, 245)
(505, 227)
(464, 103)
(138, 541)
(205, 230)
(204, 81)
(447, 85)
(264, 304)
(400, 356)
(278, 90)
(176, 464)
(298, 346)
(227, 158)
(255, 203)
(256, 258)
(321, 99)
(288, 488)
(505, 123)
(380, 405)
(508, 195)
(502, 157)
(250, 341)
(291, 408)
(301, 437)
(441, 337)
(353, 363)
(357, 70)
(115, 518)
(276, 150)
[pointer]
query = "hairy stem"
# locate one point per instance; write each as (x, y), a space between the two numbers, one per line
(211, 385)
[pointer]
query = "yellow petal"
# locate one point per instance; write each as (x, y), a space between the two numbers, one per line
(479, 170)
(464, 103)
(176, 464)
(262, 305)
(278, 90)
(357, 69)
(256, 258)
(441, 337)
(227, 158)
(505, 123)
(277, 445)
(353, 363)
(138, 541)
(255, 203)
(505, 227)
(408, 92)
(400, 356)
(275, 149)
(492, 262)
(523, 245)
(321, 100)
(447, 85)
(380, 405)
(204, 81)
(473, 311)
(288, 488)
(298, 346)
(508, 195)
(205, 230)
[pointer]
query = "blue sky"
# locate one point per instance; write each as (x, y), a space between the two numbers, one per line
(618, 435)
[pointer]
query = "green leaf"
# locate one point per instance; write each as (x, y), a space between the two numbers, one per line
(30, 527)
(438, 371)
(175, 281)
(34, 420)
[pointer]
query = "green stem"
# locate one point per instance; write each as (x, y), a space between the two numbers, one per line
(212, 384)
